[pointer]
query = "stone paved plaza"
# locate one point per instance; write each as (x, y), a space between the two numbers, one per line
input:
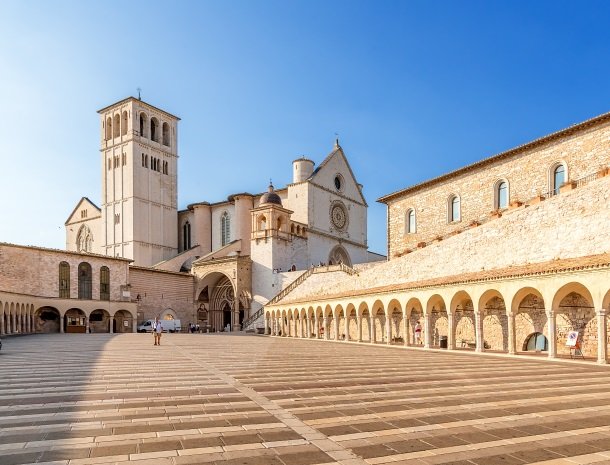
(80, 399)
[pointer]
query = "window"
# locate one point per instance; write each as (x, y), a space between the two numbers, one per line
(501, 195)
(84, 239)
(166, 134)
(124, 159)
(559, 177)
(84, 281)
(186, 235)
(83, 213)
(117, 218)
(410, 221)
(108, 128)
(142, 125)
(143, 160)
(146, 161)
(338, 182)
(225, 229)
(104, 283)
(64, 280)
(454, 208)
(117, 125)
(124, 124)
(262, 223)
(154, 129)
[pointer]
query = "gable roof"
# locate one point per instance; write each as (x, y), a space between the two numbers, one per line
(120, 102)
(80, 202)
(501, 156)
(338, 151)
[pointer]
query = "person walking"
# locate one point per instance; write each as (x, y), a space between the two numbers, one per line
(157, 331)
(417, 333)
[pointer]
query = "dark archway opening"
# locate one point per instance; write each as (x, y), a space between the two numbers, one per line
(536, 342)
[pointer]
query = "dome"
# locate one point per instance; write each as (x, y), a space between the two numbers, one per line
(271, 197)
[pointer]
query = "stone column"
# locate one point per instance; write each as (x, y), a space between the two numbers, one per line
(346, 328)
(86, 325)
(111, 321)
(450, 331)
(326, 335)
(602, 336)
(550, 314)
(8, 323)
(373, 337)
(405, 330)
(316, 322)
(388, 330)
(512, 349)
(2, 323)
(14, 323)
(27, 321)
(427, 331)
(336, 318)
(33, 317)
(303, 323)
(478, 331)
(61, 323)
(359, 324)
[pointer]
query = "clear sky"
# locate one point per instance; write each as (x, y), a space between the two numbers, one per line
(414, 89)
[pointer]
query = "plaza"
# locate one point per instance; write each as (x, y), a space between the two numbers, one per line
(248, 400)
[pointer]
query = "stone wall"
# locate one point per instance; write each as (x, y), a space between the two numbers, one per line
(572, 224)
(527, 172)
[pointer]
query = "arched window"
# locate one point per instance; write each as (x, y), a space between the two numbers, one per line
(124, 124)
(146, 161)
(186, 235)
(84, 239)
(279, 224)
(454, 208)
(104, 283)
(262, 223)
(154, 129)
(117, 125)
(558, 177)
(225, 229)
(501, 195)
(64, 280)
(143, 125)
(84, 281)
(166, 134)
(410, 221)
(108, 128)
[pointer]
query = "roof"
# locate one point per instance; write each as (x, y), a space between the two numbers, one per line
(102, 110)
(70, 252)
(530, 269)
(78, 205)
(501, 156)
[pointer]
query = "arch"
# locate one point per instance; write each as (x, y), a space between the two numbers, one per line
(606, 301)
(46, 320)
(84, 281)
(124, 123)
(262, 222)
(104, 283)
(530, 316)
(495, 322)
(165, 130)
(574, 311)
(75, 321)
(454, 209)
(84, 239)
(64, 280)
(558, 175)
(116, 125)
(168, 314)
(395, 313)
(225, 228)
(99, 321)
(535, 342)
(186, 235)
(501, 194)
(462, 307)
(571, 288)
(108, 128)
(339, 255)
(143, 125)
(410, 222)
(123, 321)
(154, 129)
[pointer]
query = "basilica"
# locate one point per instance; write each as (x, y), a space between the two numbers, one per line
(213, 263)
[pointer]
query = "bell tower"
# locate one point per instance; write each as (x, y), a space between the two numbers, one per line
(139, 155)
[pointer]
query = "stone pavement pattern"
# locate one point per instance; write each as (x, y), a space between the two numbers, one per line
(248, 400)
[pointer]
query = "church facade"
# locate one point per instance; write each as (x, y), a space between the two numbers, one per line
(238, 252)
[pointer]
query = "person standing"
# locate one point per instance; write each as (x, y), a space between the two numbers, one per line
(417, 332)
(157, 331)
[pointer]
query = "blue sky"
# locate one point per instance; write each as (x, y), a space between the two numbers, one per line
(414, 89)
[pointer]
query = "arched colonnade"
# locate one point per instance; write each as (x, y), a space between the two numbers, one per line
(531, 313)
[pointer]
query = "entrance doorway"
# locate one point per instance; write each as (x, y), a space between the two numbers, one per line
(226, 315)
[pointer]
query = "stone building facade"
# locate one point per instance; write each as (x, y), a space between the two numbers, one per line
(516, 281)
(479, 192)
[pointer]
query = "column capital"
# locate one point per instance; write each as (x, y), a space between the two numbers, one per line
(550, 312)
(601, 312)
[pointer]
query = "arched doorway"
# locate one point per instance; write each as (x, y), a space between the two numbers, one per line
(123, 322)
(536, 342)
(226, 316)
(75, 321)
(222, 303)
(47, 320)
(338, 255)
(99, 321)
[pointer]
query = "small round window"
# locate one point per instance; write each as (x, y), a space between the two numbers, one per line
(338, 182)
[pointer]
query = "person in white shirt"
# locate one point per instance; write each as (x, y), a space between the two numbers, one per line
(157, 331)
(417, 333)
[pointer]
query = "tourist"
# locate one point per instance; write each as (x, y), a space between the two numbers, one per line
(157, 331)
(417, 333)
